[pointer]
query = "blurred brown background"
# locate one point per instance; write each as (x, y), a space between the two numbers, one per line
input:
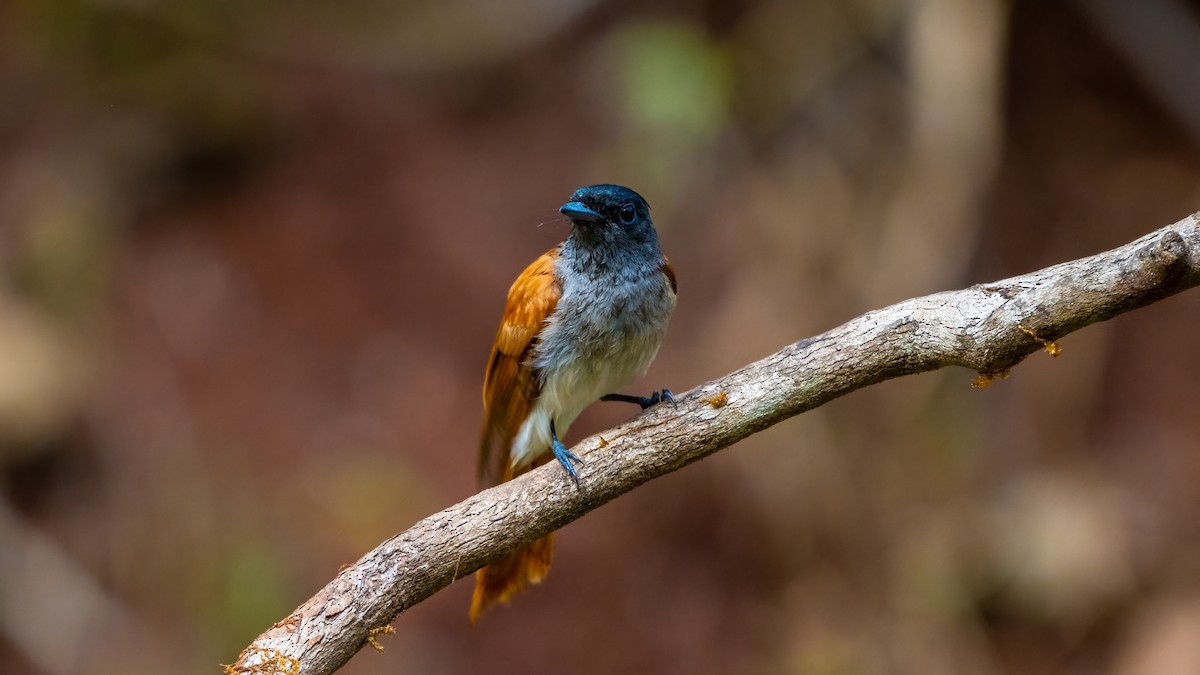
(253, 256)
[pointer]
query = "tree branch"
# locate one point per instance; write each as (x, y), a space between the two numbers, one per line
(988, 328)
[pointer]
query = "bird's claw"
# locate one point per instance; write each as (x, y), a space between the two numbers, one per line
(668, 396)
(657, 397)
(643, 401)
(566, 457)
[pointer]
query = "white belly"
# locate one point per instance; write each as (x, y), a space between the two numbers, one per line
(576, 384)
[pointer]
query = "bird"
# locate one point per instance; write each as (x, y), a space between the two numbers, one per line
(580, 322)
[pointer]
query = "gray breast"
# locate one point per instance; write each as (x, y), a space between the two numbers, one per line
(611, 322)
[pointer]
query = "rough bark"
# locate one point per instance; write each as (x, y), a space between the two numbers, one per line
(988, 328)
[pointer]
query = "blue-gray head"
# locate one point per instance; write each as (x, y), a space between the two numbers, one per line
(610, 213)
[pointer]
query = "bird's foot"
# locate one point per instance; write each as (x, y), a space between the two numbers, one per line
(566, 457)
(644, 401)
(563, 455)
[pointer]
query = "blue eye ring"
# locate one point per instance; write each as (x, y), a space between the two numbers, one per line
(628, 213)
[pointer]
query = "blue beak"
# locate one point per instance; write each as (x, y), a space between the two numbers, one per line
(579, 213)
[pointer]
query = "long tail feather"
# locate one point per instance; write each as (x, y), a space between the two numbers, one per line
(507, 576)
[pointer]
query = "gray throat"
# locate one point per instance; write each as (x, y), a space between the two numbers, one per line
(601, 253)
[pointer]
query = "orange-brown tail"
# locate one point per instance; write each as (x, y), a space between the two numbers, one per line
(506, 577)
(510, 387)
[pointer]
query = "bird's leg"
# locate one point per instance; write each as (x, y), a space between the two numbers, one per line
(644, 401)
(563, 455)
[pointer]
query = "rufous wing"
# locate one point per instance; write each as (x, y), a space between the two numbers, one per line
(510, 385)
(509, 389)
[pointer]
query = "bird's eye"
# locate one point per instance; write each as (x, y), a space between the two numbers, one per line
(628, 213)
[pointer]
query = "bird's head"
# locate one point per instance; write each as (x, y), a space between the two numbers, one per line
(610, 212)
